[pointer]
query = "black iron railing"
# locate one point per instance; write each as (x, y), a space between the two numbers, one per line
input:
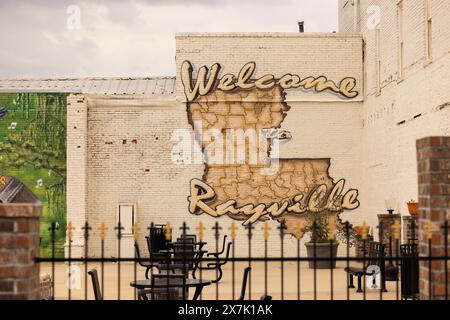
(400, 266)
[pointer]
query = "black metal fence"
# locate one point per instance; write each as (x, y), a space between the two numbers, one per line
(389, 268)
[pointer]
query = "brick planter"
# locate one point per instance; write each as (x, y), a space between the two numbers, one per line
(19, 245)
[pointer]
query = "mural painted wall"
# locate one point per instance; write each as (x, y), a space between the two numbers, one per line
(33, 150)
(239, 178)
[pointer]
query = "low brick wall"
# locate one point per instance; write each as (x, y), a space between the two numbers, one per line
(19, 245)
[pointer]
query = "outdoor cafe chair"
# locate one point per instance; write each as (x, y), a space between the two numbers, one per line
(146, 263)
(164, 293)
(156, 240)
(191, 238)
(375, 257)
(409, 270)
(184, 253)
(244, 283)
(173, 268)
(95, 284)
(217, 254)
(216, 265)
(156, 255)
(244, 286)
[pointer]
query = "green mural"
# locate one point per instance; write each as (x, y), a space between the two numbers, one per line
(33, 150)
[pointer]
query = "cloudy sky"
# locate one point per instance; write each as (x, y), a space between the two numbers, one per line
(45, 38)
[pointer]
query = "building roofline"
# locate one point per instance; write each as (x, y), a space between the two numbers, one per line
(267, 35)
(101, 86)
(85, 78)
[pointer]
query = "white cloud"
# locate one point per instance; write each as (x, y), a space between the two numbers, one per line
(134, 38)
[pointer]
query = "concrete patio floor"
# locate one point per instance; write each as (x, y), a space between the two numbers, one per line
(225, 287)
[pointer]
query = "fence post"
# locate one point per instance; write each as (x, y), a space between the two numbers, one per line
(433, 164)
(19, 245)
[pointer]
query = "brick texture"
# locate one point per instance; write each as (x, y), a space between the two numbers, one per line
(433, 156)
(409, 107)
(19, 245)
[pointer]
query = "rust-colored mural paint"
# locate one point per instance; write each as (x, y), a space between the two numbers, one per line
(238, 184)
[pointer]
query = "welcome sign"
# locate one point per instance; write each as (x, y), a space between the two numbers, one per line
(208, 80)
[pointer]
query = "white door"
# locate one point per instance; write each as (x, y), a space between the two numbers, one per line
(126, 218)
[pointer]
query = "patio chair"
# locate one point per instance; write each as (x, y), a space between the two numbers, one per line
(186, 240)
(156, 256)
(146, 263)
(95, 284)
(156, 240)
(164, 293)
(375, 257)
(409, 271)
(244, 283)
(191, 238)
(173, 268)
(184, 253)
(217, 254)
(216, 265)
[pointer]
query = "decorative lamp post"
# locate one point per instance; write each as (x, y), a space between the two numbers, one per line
(391, 271)
(390, 204)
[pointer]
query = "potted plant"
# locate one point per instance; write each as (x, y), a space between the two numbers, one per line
(322, 244)
(413, 207)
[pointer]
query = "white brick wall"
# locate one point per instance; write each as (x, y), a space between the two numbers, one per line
(77, 120)
(389, 153)
(335, 56)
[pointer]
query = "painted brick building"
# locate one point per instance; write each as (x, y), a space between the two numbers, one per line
(406, 61)
(122, 134)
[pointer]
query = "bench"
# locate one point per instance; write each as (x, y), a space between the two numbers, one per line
(375, 257)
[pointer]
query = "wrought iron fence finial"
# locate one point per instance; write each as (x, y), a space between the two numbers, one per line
(168, 230)
(216, 229)
(233, 229)
(86, 229)
(200, 230)
(396, 228)
(119, 229)
(102, 230)
(69, 229)
(266, 229)
(136, 230)
(364, 230)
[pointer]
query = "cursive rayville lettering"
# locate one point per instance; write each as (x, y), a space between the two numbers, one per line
(208, 80)
(318, 200)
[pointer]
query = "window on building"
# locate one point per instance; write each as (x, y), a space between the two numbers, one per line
(428, 31)
(400, 39)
